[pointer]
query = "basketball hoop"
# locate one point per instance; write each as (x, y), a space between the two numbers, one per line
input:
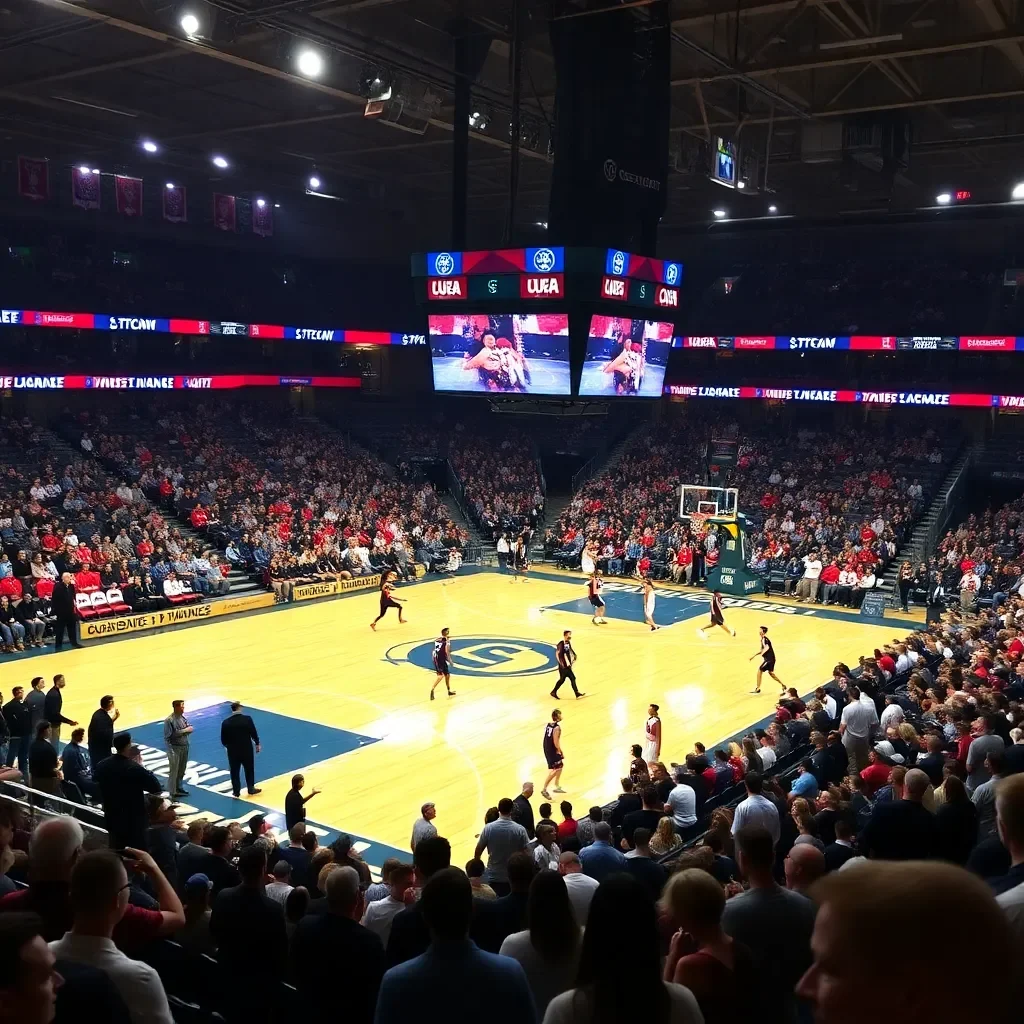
(699, 524)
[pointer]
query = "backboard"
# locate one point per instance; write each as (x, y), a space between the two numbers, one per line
(717, 502)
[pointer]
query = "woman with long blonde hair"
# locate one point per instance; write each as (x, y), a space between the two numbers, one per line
(665, 838)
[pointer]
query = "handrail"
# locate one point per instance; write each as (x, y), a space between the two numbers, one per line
(38, 803)
(950, 504)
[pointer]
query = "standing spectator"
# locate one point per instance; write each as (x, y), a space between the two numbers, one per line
(99, 899)
(452, 973)
(43, 763)
(101, 730)
(53, 705)
(495, 920)
(756, 809)
(641, 864)
(240, 739)
(600, 859)
(548, 950)
(377, 916)
(720, 972)
(248, 928)
(807, 588)
(956, 822)
(176, 733)
(984, 796)
(1009, 888)
(856, 724)
(546, 852)
(604, 991)
(295, 802)
(522, 812)
(839, 852)
(985, 741)
(409, 933)
(62, 602)
(35, 699)
(501, 839)
(424, 827)
(867, 900)
(581, 887)
(902, 829)
(334, 947)
(123, 783)
(804, 865)
(281, 886)
(195, 937)
(19, 721)
(774, 923)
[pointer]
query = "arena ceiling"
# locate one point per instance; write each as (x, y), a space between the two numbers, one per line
(812, 89)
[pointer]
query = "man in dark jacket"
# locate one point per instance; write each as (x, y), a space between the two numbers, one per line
(123, 783)
(53, 705)
(101, 730)
(19, 722)
(62, 601)
(238, 735)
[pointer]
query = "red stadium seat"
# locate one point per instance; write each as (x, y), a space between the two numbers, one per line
(83, 605)
(100, 605)
(115, 598)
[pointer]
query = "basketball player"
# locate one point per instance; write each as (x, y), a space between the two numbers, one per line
(519, 560)
(767, 656)
(594, 585)
(553, 754)
(387, 601)
(566, 656)
(717, 618)
(649, 599)
(652, 735)
(442, 661)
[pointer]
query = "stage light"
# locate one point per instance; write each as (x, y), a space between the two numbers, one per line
(310, 63)
(261, 203)
(1018, 190)
(479, 120)
(149, 146)
(95, 170)
(314, 181)
(943, 199)
(773, 209)
(277, 206)
(83, 169)
(219, 161)
(170, 184)
(719, 213)
(189, 24)
(741, 184)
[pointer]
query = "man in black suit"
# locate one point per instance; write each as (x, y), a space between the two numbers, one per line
(101, 730)
(248, 927)
(123, 783)
(238, 735)
(410, 935)
(62, 601)
(335, 943)
(19, 722)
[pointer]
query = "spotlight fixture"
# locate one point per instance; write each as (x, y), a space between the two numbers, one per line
(95, 170)
(261, 203)
(149, 146)
(310, 63)
(773, 209)
(314, 181)
(189, 24)
(170, 184)
(1018, 190)
(83, 169)
(719, 214)
(375, 84)
(479, 120)
(277, 206)
(741, 184)
(219, 161)
(943, 199)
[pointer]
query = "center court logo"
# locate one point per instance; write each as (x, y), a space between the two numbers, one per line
(482, 656)
(611, 170)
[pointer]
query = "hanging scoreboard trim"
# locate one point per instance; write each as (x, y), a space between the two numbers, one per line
(639, 293)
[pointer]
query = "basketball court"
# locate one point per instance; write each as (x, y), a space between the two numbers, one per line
(350, 708)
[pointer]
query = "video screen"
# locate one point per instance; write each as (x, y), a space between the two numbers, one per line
(625, 357)
(501, 353)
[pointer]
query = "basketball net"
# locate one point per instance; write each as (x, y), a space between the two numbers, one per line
(699, 524)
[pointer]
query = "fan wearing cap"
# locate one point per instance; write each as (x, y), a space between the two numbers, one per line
(881, 758)
(195, 936)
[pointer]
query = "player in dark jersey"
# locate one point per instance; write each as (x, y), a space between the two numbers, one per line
(566, 656)
(594, 585)
(717, 617)
(767, 656)
(519, 560)
(442, 662)
(553, 753)
(386, 600)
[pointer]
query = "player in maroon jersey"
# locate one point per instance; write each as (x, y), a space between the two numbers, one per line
(594, 585)
(387, 601)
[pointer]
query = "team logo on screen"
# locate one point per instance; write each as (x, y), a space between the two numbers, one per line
(611, 170)
(544, 261)
(444, 264)
(671, 273)
(482, 656)
(618, 262)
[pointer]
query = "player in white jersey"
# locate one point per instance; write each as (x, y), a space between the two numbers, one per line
(649, 598)
(652, 735)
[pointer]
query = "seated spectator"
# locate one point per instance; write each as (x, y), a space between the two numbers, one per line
(452, 972)
(99, 898)
(842, 850)
(621, 908)
(546, 852)
(600, 858)
(640, 863)
(805, 784)
(719, 971)
(333, 946)
(195, 937)
(76, 765)
(475, 871)
(665, 838)
(902, 829)
(281, 886)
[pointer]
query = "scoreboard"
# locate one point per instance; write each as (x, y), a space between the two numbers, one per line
(548, 274)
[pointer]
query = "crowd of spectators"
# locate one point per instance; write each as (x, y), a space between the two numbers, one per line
(284, 499)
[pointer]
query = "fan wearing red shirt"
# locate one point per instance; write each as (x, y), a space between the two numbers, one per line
(885, 662)
(876, 775)
(144, 548)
